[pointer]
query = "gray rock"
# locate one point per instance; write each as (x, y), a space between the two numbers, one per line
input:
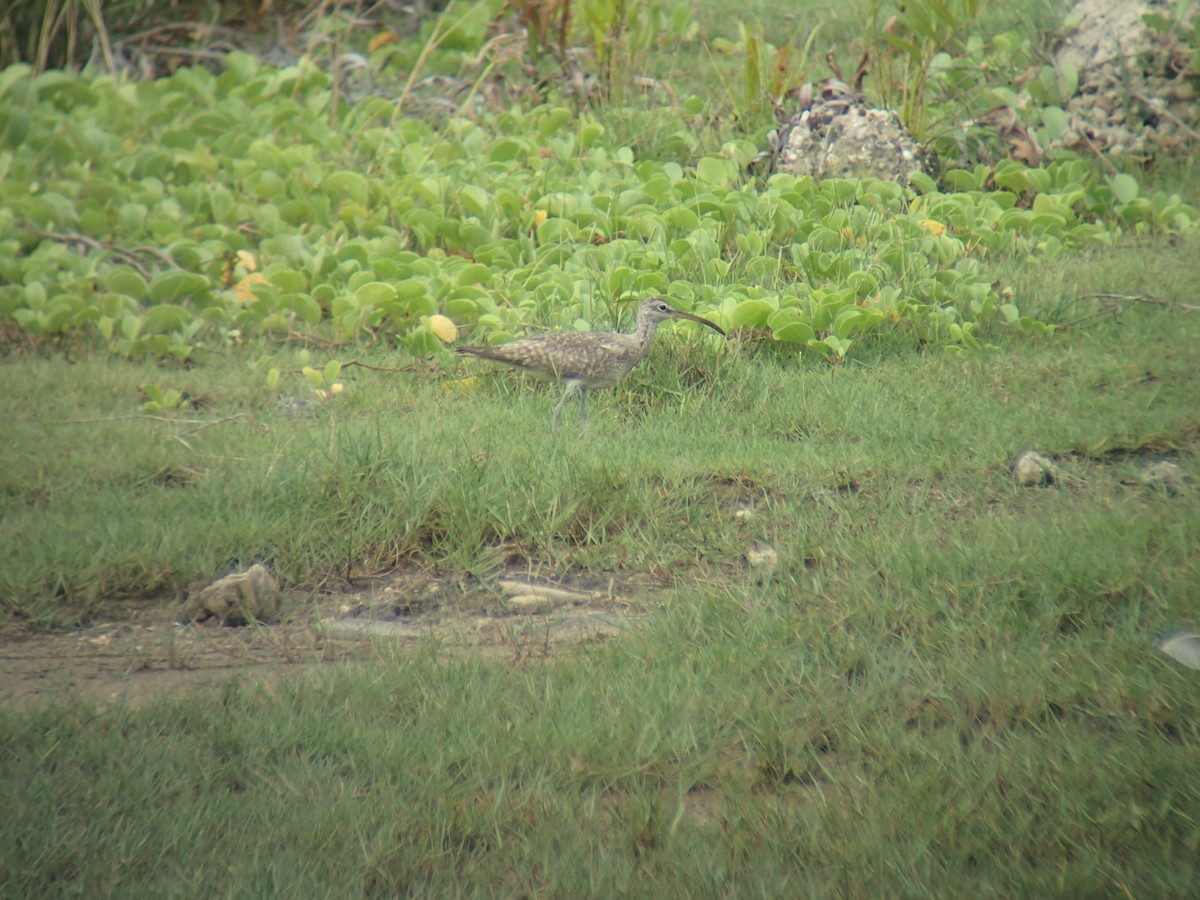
(836, 135)
(1135, 96)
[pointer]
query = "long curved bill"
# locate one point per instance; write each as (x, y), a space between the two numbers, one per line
(680, 314)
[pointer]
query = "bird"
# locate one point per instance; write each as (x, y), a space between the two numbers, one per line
(585, 360)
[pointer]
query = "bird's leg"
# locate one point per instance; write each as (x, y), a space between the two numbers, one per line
(572, 387)
(582, 410)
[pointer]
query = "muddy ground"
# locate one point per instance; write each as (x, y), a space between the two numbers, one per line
(142, 651)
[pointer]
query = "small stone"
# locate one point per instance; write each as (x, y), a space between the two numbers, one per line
(532, 603)
(556, 595)
(362, 629)
(1183, 648)
(1031, 469)
(1166, 475)
(298, 406)
(744, 513)
(763, 558)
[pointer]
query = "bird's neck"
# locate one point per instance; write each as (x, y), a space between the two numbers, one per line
(644, 334)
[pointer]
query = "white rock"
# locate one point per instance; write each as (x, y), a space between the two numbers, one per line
(763, 558)
(1031, 469)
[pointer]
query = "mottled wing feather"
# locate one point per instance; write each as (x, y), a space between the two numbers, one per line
(597, 358)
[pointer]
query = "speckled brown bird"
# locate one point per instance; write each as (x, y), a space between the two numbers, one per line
(585, 360)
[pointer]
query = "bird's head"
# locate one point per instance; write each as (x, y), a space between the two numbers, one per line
(655, 309)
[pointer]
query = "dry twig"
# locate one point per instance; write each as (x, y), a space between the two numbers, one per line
(1141, 298)
(106, 247)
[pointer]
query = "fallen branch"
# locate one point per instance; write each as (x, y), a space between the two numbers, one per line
(1111, 309)
(361, 365)
(375, 368)
(1141, 298)
(106, 247)
(200, 424)
(309, 338)
(1159, 108)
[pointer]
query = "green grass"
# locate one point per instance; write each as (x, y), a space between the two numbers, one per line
(749, 741)
(433, 469)
(949, 683)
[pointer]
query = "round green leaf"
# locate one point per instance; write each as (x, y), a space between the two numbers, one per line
(125, 280)
(505, 149)
(714, 170)
(461, 308)
(376, 292)
(751, 314)
(287, 279)
(164, 317)
(474, 273)
(1124, 187)
(474, 199)
(553, 231)
(350, 183)
(174, 285)
(411, 289)
(308, 309)
(794, 333)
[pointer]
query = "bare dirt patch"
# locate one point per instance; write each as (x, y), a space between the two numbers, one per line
(143, 652)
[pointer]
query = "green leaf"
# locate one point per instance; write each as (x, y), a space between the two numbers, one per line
(1055, 123)
(554, 230)
(287, 279)
(16, 72)
(753, 74)
(17, 127)
(794, 332)
(308, 309)
(553, 120)
(1069, 76)
(960, 179)
(35, 295)
(375, 293)
(863, 284)
(922, 183)
(751, 314)
(351, 184)
(713, 170)
(165, 317)
(1012, 175)
(474, 199)
(131, 325)
(411, 289)
(1158, 22)
(1124, 187)
(175, 285)
(421, 341)
(505, 150)
(474, 273)
(846, 321)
